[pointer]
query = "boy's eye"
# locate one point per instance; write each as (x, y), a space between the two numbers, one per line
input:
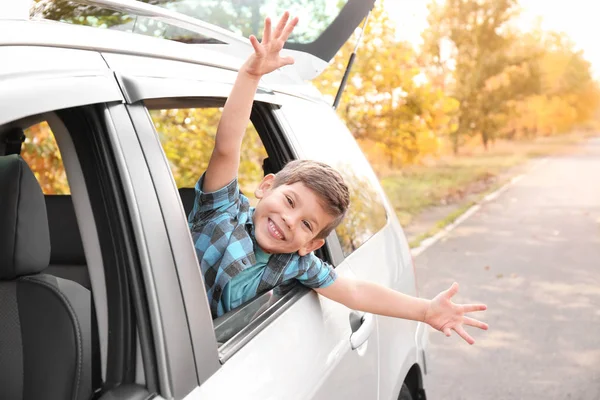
(307, 224)
(290, 201)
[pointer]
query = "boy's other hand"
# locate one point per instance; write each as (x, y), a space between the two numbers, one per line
(445, 316)
(266, 56)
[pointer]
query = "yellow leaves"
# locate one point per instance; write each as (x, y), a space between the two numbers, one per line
(388, 100)
(188, 137)
(41, 153)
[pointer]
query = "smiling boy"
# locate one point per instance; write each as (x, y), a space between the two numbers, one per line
(245, 251)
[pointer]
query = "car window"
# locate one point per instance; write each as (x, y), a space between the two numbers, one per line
(41, 153)
(367, 214)
(188, 137)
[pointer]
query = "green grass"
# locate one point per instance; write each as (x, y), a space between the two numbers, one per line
(453, 216)
(414, 189)
(419, 187)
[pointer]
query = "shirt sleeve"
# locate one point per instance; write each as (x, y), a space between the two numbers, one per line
(317, 274)
(207, 204)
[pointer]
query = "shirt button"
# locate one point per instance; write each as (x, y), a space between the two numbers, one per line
(245, 262)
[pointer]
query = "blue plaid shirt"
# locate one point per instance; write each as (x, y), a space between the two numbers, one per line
(222, 230)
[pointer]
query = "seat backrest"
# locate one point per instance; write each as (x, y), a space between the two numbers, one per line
(67, 258)
(45, 321)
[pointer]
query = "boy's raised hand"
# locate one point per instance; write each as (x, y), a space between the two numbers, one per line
(266, 56)
(445, 316)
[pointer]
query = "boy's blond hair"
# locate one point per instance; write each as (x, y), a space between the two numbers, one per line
(325, 182)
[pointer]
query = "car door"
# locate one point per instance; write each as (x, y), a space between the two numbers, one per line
(300, 347)
(370, 236)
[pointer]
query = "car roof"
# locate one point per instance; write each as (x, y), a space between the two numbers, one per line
(45, 33)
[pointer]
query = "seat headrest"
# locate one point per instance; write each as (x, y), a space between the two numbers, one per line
(24, 235)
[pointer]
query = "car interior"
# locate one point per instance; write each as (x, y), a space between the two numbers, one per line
(46, 304)
(46, 319)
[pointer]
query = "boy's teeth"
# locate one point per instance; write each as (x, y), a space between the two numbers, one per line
(275, 230)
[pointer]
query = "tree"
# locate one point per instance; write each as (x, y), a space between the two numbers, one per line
(487, 68)
(41, 153)
(387, 102)
(569, 96)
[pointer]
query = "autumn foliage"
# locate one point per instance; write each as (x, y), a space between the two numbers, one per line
(476, 75)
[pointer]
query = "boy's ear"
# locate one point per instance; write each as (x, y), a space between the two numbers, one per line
(265, 184)
(311, 246)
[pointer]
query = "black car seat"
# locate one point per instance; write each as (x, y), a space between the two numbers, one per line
(45, 321)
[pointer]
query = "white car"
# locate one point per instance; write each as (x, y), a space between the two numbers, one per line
(106, 299)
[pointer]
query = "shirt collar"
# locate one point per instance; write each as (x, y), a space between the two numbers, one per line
(250, 227)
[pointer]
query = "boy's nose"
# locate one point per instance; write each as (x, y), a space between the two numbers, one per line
(289, 220)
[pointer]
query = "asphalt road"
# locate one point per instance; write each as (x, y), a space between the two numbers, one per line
(533, 256)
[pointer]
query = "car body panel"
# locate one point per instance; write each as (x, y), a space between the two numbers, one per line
(63, 71)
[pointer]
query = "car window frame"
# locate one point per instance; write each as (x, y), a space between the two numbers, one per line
(65, 72)
(276, 145)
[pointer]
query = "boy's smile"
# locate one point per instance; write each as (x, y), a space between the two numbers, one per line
(288, 218)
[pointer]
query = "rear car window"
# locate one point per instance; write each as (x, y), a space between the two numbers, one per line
(319, 134)
(41, 153)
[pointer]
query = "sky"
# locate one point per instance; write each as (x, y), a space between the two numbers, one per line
(577, 18)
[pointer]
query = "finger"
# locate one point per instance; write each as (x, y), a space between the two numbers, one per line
(453, 290)
(281, 25)
(289, 28)
(463, 334)
(475, 323)
(287, 61)
(255, 44)
(467, 308)
(447, 332)
(266, 31)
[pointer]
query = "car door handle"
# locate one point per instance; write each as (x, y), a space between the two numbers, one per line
(362, 326)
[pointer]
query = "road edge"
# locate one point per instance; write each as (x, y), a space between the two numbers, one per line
(430, 241)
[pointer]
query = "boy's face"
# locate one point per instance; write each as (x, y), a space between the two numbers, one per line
(288, 217)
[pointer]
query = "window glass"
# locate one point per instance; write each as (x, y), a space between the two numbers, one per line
(41, 152)
(324, 137)
(188, 137)
(247, 17)
(74, 12)
(242, 17)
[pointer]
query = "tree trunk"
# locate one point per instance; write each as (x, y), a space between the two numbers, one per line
(454, 136)
(485, 139)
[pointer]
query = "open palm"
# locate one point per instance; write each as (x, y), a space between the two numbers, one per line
(266, 56)
(445, 316)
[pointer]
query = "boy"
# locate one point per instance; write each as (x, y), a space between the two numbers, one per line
(245, 251)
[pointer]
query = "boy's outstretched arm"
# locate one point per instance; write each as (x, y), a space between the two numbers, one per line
(440, 312)
(225, 159)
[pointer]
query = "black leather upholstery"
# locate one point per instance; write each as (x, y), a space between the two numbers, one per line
(45, 321)
(67, 258)
(24, 238)
(65, 239)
